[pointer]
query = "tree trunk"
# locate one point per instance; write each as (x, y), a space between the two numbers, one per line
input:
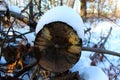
(83, 11)
(99, 9)
(70, 3)
(31, 10)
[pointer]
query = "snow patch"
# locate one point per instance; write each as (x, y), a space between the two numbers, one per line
(14, 9)
(64, 14)
(3, 61)
(82, 63)
(93, 73)
(30, 36)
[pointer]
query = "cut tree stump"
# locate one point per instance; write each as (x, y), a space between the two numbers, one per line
(59, 46)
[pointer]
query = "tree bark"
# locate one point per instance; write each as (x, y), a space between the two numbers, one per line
(71, 3)
(101, 51)
(21, 17)
(83, 11)
(99, 9)
(31, 10)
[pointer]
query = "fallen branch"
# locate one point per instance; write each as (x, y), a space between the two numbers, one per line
(21, 17)
(101, 51)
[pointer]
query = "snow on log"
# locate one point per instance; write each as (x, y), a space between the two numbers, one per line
(64, 14)
(59, 38)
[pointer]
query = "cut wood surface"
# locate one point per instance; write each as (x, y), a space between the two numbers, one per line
(59, 46)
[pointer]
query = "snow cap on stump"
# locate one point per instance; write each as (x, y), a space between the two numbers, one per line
(64, 14)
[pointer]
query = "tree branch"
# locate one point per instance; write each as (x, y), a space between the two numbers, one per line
(107, 36)
(21, 17)
(101, 51)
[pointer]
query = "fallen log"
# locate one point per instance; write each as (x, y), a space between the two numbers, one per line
(59, 46)
(23, 18)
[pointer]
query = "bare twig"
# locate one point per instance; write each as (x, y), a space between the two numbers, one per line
(109, 19)
(107, 36)
(101, 51)
(101, 45)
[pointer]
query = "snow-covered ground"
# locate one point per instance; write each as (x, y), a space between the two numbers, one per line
(72, 19)
(101, 29)
(98, 29)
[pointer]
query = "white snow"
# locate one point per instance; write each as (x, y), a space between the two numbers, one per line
(14, 8)
(10, 33)
(3, 6)
(77, 6)
(30, 37)
(86, 71)
(101, 29)
(83, 62)
(64, 14)
(93, 73)
(69, 16)
(3, 61)
(7, 2)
